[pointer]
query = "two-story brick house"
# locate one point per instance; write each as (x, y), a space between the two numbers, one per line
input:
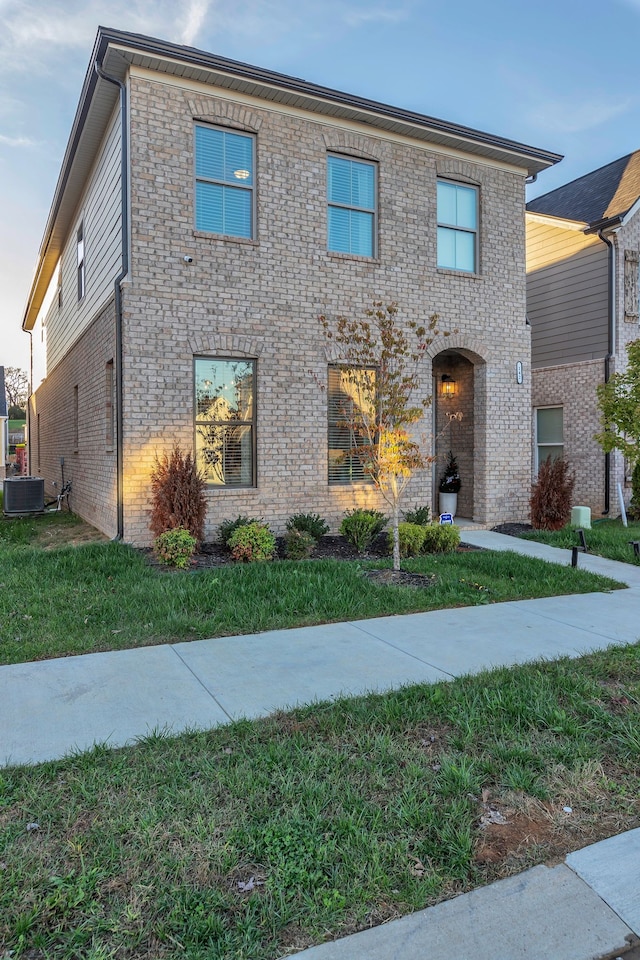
(206, 213)
(583, 251)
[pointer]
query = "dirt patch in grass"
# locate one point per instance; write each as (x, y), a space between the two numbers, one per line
(68, 535)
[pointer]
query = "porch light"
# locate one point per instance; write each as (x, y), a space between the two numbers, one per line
(448, 386)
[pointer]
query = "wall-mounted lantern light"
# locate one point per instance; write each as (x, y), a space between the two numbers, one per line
(447, 386)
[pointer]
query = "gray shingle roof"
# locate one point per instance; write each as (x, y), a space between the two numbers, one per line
(608, 192)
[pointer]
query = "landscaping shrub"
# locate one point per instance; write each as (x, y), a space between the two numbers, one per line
(421, 516)
(552, 495)
(634, 507)
(361, 526)
(175, 547)
(411, 539)
(299, 544)
(311, 523)
(252, 542)
(440, 538)
(227, 527)
(177, 489)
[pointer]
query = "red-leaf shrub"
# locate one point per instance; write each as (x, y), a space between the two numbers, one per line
(551, 495)
(177, 488)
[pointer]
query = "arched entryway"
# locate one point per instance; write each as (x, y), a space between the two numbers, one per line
(458, 389)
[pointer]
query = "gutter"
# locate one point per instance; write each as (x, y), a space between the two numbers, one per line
(124, 215)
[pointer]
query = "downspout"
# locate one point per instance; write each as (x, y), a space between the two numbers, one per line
(124, 213)
(611, 320)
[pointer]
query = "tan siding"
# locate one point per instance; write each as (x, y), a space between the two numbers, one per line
(99, 211)
(566, 295)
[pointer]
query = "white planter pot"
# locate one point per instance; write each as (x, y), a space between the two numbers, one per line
(448, 503)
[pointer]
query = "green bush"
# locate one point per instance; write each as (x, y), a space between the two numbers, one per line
(311, 523)
(411, 539)
(227, 527)
(633, 512)
(421, 516)
(361, 526)
(440, 538)
(175, 547)
(299, 544)
(252, 542)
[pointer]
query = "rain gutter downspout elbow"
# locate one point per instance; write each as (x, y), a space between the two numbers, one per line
(611, 321)
(124, 215)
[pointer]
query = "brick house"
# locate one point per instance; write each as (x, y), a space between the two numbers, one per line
(207, 212)
(583, 248)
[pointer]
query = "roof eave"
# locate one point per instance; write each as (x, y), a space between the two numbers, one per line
(563, 223)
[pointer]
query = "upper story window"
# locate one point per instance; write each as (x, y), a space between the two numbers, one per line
(351, 195)
(225, 421)
(80, 261)
(225, 182)
(457, 227)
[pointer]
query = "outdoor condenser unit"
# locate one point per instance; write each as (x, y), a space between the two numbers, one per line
(23, 495)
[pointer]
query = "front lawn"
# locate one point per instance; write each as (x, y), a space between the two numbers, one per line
(258, 839)
(607, 538)
(59, 600)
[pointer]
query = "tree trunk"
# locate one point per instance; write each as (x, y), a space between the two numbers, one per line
(396, 534)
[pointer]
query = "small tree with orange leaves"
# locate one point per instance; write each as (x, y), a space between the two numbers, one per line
(388, 400)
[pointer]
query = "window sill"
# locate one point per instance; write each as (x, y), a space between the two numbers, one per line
(224, 238)
(337, 255)
(221, 488)
(465, 274)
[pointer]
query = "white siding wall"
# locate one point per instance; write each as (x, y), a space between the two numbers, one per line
(99, 212)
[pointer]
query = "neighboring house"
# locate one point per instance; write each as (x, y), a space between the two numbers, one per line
(583, 248)
(4, 422)
(206, 213)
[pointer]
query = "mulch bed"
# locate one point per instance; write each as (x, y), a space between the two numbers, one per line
(512, 529)
(213, 555)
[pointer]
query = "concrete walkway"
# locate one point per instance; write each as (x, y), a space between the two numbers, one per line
(53, 707)
(585, 909)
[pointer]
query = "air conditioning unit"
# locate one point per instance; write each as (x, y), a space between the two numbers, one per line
(22, 495)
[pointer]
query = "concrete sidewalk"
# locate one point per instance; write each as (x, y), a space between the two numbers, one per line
(585, 909)
(53, 707)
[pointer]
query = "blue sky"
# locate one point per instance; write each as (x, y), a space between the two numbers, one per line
(562, 75)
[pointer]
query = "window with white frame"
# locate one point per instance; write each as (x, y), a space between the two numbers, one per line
(225, 420)
(225, 182)
(80, 261)
(457, 227)
(351, 400)
(549, 434)
(351, 198)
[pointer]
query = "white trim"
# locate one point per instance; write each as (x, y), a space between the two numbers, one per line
(560, 222)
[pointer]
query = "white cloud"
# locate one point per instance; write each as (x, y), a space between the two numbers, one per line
(196, 13)
(575, 116)
(16, 141)
(356, 17)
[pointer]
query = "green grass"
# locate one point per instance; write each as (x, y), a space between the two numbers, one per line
(344, 814)
(608, 538)
(105, 596)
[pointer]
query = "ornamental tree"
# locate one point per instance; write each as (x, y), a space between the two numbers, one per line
(384, 396)
(619, 402)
